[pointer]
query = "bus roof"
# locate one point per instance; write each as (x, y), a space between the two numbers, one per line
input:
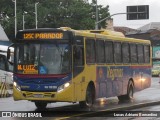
(108, 34)
(102, 34)
(93, 32)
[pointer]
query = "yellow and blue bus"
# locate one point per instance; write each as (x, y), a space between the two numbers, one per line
(66, 65)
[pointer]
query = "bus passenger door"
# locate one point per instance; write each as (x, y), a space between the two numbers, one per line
(78, 67)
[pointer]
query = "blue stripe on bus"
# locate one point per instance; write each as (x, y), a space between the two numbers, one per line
(113, 80)
(41, 84)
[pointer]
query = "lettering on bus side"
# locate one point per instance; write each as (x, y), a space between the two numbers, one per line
(114, 72)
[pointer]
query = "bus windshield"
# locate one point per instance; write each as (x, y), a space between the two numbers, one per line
(43, 58)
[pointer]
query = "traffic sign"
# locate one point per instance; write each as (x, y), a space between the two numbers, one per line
(138, 12)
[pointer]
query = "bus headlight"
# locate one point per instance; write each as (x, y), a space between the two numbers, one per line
(62, 87)
(17, 86)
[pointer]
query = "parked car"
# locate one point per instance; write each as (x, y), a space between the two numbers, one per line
(156, 71)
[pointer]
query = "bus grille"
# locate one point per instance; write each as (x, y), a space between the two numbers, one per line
(38, 95)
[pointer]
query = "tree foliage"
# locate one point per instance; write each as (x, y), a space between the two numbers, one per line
(77, 14)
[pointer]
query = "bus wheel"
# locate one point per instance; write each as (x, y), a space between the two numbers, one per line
(40, 105)
(121, 98)
(130, 91)
(129, 95)
(90, 97)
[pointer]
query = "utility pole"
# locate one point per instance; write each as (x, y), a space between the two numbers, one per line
(23, 19)
(36, 13)
(15, 15)
(96, 25)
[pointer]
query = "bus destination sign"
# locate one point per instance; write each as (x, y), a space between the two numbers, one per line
(31, 36)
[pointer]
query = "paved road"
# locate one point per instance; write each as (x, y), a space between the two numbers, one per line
(141, 99)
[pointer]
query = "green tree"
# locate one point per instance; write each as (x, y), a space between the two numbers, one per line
(76, 14)
(103, 12)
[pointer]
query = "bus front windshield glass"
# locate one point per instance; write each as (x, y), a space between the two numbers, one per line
(43, 58)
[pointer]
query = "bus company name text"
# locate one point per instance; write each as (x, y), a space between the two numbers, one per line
(114, 72)
(43, 35)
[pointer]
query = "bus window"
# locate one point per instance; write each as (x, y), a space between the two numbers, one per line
(133, 52)
(109, 51)
(58, 61)
(90, 51)
(78, 56)
(59, 58)
(100, 51)
(125, 52)
(140, 54)
(27, 54)
(117, 52)
(147, 53)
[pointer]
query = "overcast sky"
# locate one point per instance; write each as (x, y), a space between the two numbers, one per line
(119, 6)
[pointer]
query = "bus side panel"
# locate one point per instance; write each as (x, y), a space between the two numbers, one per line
(108, 83)
(141, 77)
(77, 90)
(113, 80)
(81, 82)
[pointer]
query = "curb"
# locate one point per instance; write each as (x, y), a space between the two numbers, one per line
(111, 110)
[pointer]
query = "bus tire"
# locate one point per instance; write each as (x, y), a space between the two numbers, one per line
(129, 95)
(40, 105)
(90, 97)
(130, 91)
(121, 97)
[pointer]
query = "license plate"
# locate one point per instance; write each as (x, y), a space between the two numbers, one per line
(38, 95)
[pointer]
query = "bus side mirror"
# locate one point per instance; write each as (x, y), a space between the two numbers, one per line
(8, 54)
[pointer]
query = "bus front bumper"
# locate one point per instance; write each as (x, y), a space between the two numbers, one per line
(63, 96)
